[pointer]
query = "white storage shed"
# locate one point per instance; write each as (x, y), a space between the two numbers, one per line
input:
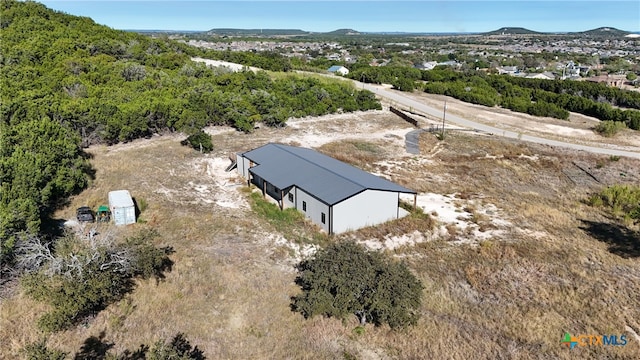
(123, 211)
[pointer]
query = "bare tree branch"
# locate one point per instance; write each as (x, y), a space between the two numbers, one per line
(31, 253)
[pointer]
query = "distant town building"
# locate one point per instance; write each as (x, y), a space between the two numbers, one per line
(427, 65)
(451, 63)
(610, 80)
(545, 76)
(337, 69)
(509, 70)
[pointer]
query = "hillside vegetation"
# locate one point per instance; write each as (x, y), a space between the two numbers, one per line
(67, 81)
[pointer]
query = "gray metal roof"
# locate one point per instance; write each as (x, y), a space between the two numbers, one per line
(324, 177)
(336, 68)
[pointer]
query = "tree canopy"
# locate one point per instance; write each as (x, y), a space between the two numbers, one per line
(41, 164)
(344, 279)
(68, 82)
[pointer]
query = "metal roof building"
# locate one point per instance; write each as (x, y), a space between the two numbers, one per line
(341, 70)
(336, 196)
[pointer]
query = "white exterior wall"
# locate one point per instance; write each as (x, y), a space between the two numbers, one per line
(315, 208)
(123, 215)
(122, 207)
(370, 207)
(243, 166)
(290, 204)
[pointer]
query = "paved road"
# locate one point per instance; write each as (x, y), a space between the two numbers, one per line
(450, 118)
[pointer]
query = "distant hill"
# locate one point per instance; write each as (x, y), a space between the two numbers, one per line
(343, 32)
(512, 31)
(604, 32)
(262, 32)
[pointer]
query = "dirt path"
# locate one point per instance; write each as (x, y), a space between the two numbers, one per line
(496, 129)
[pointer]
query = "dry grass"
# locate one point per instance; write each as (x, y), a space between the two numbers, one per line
(513, 296)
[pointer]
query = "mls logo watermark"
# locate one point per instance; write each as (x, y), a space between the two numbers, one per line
(593, 340)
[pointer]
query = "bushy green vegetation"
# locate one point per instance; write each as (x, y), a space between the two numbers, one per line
(545, 97)
(621, 200)
(385, 74)
(115, 86)
(538, 97)
(474, 90)
(41, 164)
(79, 277)
(179, 348)
(609, 128)
(39, 351)
(200, 141)
(344, 279)
(67, 82)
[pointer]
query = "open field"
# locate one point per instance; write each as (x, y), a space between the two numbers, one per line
(511, 257)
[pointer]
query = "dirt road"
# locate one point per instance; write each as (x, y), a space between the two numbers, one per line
(450, 118)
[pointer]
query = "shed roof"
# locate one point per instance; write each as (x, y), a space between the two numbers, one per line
(324, 177)
(120, 198)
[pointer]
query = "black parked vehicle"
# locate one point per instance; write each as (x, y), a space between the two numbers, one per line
(85, 214)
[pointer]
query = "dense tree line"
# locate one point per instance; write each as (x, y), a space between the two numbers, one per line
(41, 164)
(593, 91)
(267, 60)
(114, 86)
(396, 75)
(537, 97)
(67, 82)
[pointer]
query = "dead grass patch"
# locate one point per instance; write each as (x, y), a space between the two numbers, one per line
(513, 296)
(416, 221)
(355, 152)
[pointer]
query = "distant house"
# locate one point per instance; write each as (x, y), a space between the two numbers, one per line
(451, 63)
(336, 196)
(545, 76)
(509, 70)
(610, 80)
(427, 65)
(337, 69)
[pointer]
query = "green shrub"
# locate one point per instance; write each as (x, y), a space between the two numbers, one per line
(344, 279)
(84, 281)
(621, 200)
(179, 349)
(609, 128)
(200, 141)
(39, 351)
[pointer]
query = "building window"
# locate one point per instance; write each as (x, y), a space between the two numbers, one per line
(291, 197)
(304, 206)
(323, 218)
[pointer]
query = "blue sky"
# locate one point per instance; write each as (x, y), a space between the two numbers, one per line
(362, 15)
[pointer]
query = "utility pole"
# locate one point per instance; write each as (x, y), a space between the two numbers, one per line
(444, 114)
